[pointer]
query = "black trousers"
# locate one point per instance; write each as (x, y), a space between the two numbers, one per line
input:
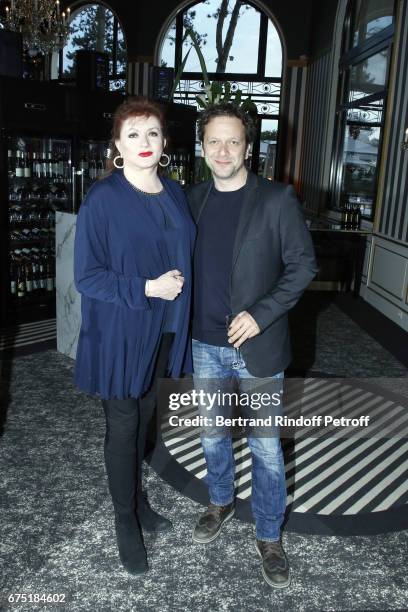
(128, 422)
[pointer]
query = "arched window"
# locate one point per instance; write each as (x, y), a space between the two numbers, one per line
(95, 27)
(363, 83)
(240, 45)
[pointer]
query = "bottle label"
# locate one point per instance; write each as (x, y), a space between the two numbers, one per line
(36, 284)
(29, 285)
(50, 284)
(21, 290)
(19, 172)
(13, 287)
(42, 283)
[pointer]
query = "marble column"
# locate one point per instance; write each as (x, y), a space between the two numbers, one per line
(68, 299)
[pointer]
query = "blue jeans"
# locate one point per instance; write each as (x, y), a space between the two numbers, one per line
(221, 369)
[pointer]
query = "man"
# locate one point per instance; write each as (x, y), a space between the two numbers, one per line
(253, 260)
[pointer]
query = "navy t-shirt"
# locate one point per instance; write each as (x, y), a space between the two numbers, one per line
(217, 227)
(156, 204)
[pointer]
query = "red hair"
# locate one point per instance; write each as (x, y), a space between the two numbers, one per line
(137, 106)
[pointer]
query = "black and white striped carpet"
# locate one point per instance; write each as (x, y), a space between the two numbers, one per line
(336, 483)
(28, 337)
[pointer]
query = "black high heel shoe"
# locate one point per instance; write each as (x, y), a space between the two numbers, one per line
(149, 519)
(131, 548)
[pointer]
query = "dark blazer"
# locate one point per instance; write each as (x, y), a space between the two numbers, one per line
(273, 263)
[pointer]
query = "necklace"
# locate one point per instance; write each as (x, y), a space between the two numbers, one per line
(149, 193)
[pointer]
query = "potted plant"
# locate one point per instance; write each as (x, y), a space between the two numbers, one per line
(216, 92)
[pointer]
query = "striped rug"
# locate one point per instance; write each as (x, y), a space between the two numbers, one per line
(335, 484)
(28, 337)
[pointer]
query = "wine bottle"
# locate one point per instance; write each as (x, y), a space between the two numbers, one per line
(61, 167)
(50, 277)
(21, 285)
(50, 165)
(27, 165)
(346, 215)
(42, 276)
(11, 168)
(55, 166)
(183, 169)
(36, 270)
(84, 165)
(19, 164)
(29, 277)
(44, 164)
(36, 166)
(26, 234)
(356, 216)
(13, 279)
(92, 169)
(100, 167)
(173, 172)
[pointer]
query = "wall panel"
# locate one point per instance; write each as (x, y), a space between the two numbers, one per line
(314, 132)
(394, 204)
(292, 116)
(138, 78)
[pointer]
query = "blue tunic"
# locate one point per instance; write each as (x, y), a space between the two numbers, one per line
(120, 243)
(157, 205)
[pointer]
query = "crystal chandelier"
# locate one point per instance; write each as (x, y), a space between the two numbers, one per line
(43, 26)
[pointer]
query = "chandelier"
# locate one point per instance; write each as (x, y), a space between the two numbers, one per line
(43, 26)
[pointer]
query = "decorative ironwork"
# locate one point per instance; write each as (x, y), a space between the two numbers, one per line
(265, 95)
(117, 84)
(370, 114)
(355, 95)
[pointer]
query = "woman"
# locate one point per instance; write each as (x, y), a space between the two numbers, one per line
(133, 250)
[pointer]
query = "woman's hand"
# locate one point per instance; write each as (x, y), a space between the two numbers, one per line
(167, 286)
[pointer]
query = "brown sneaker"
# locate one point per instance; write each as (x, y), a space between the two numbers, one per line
(209, 523)
(275, 565)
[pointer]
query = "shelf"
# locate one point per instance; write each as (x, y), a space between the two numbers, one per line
(42, 200)
(33, 300)
(17, 225)
(26, 244)
(41, 179)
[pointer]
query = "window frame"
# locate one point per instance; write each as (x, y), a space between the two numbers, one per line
(251, 77)
(114, 75)
(350, 57)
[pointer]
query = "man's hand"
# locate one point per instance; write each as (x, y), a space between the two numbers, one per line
(242, 327)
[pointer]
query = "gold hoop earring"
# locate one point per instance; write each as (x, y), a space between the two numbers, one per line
(115, 164)
(168, 160)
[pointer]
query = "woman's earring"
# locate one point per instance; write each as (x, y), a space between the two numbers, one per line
(115, 164)
(167, 162)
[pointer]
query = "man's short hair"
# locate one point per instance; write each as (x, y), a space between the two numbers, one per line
(227, 110)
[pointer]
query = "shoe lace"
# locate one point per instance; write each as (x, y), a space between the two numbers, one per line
(216, 510)
(272, 549)
(212, 513)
